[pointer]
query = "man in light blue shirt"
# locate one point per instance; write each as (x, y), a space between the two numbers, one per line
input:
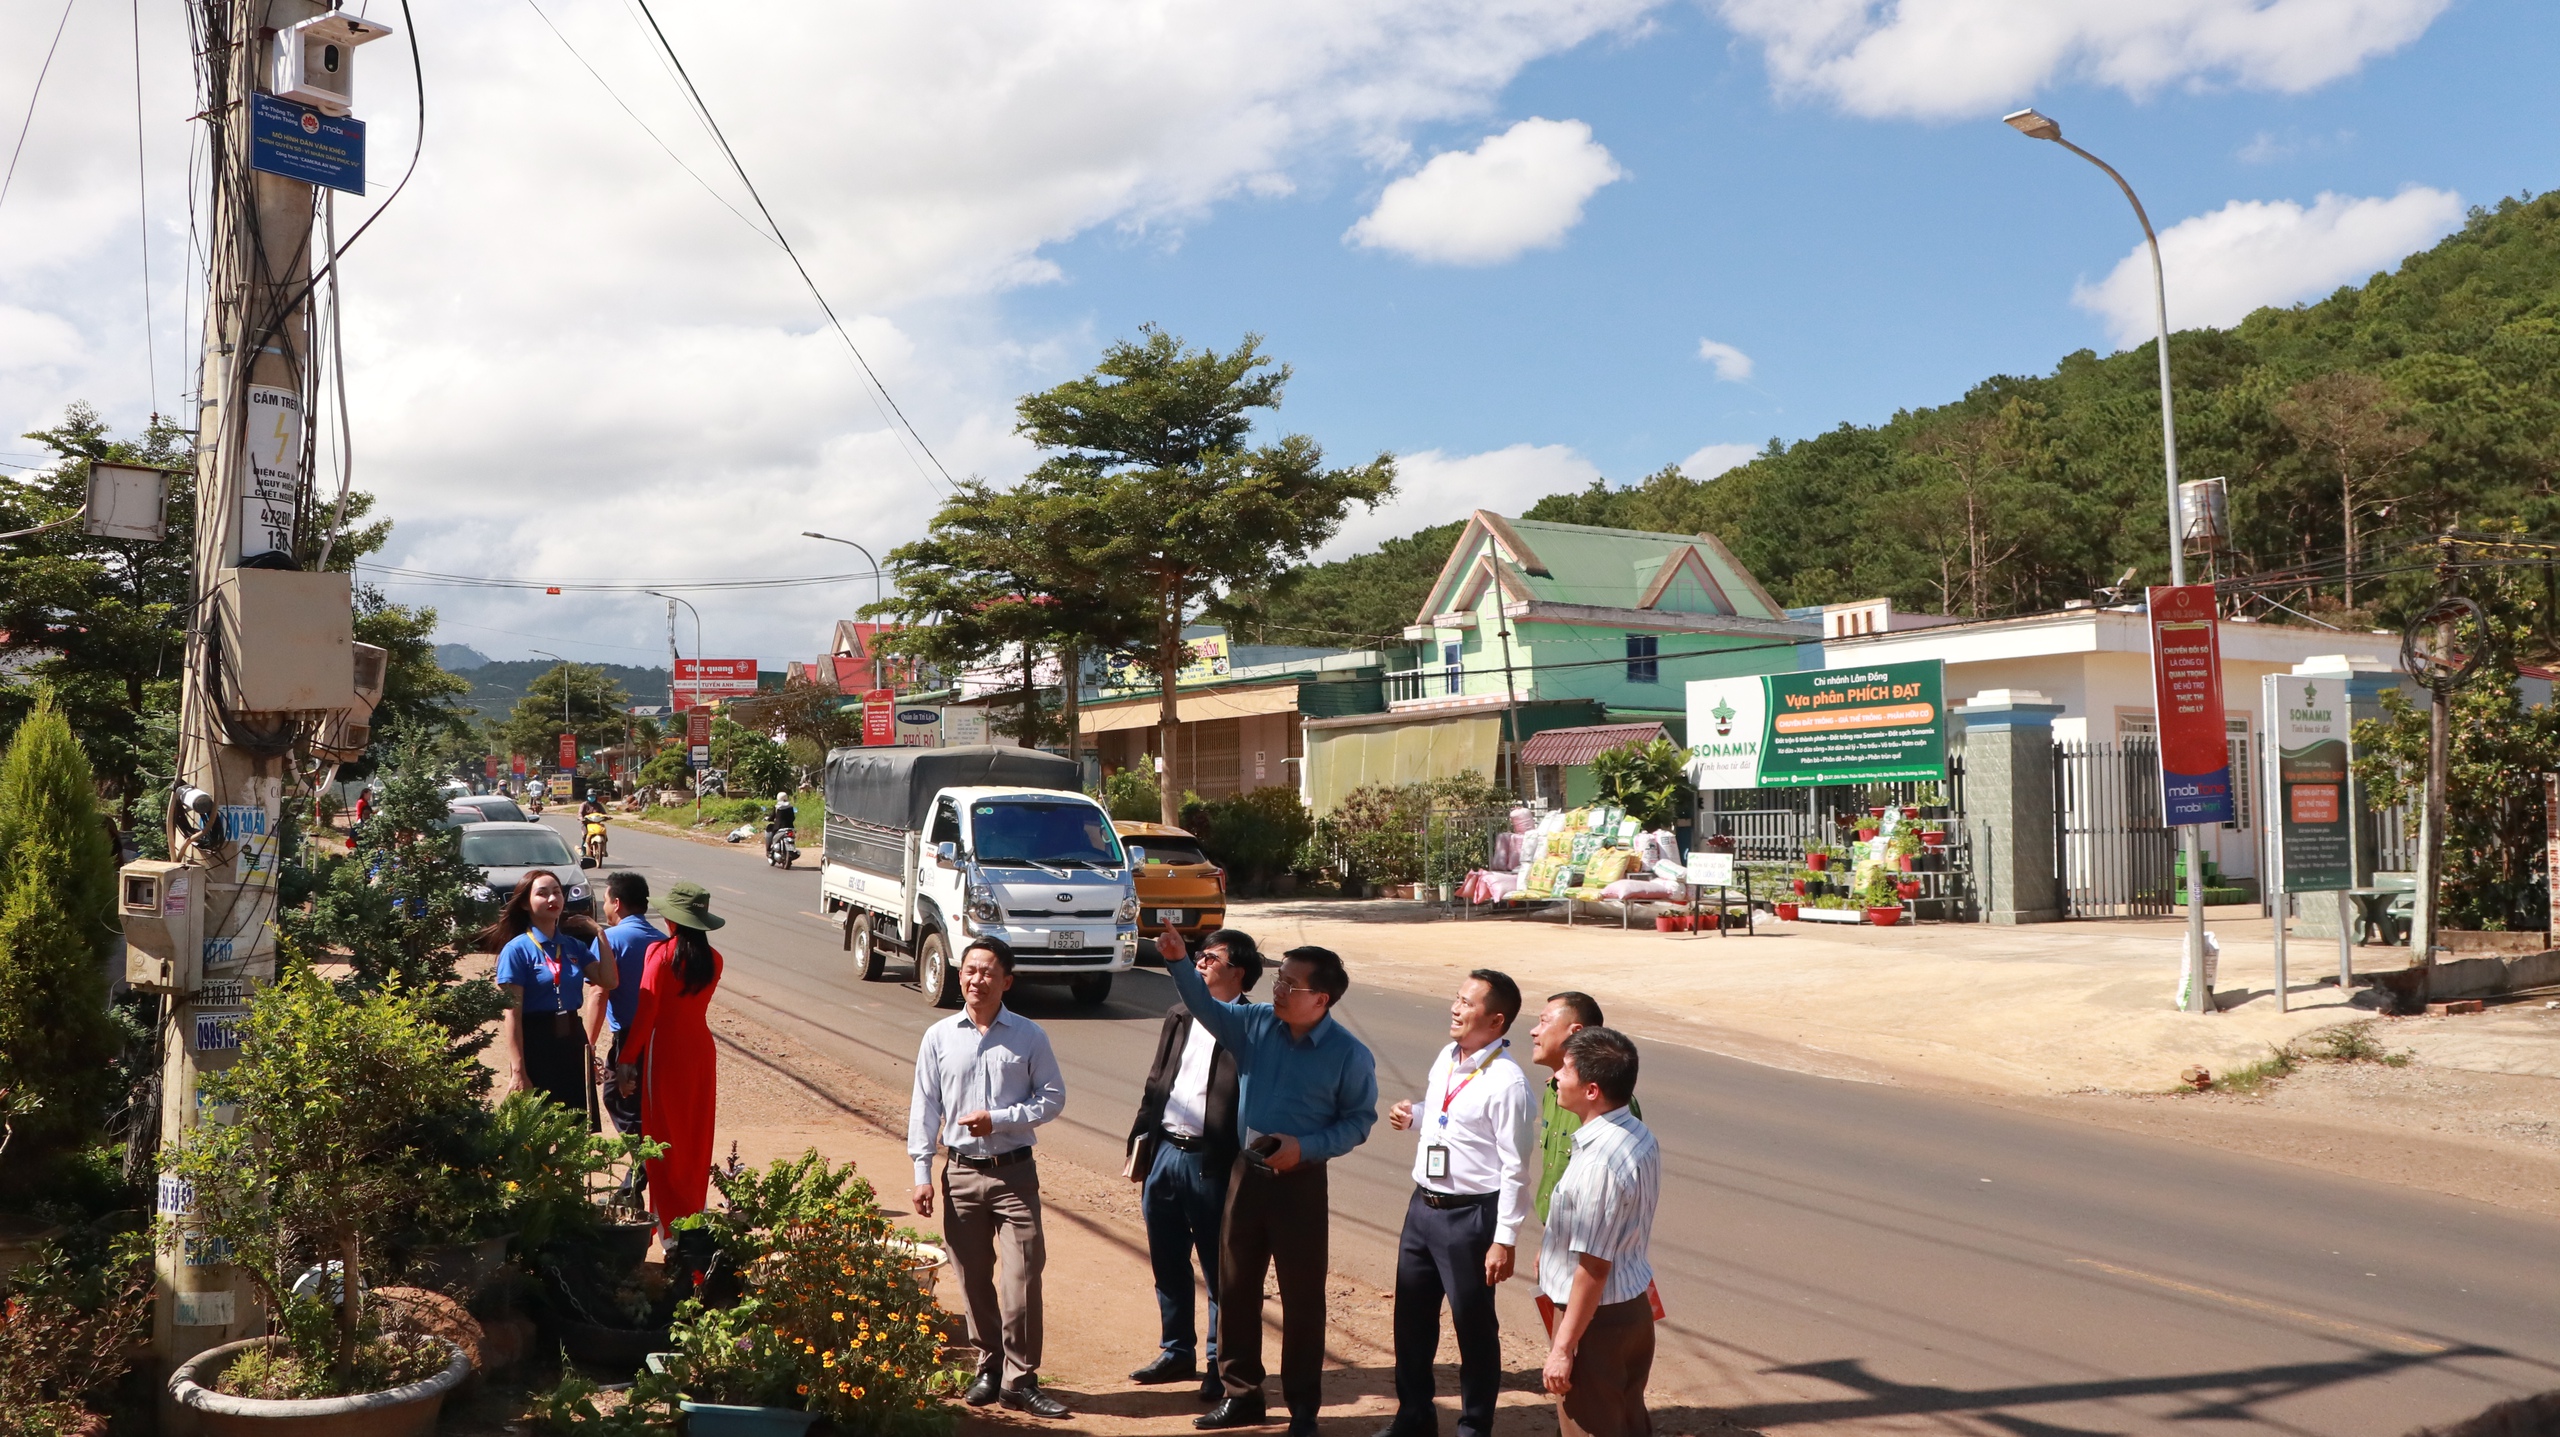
(985, 1078)
(1594, 1267)
(629, 935)
(1308, 1093)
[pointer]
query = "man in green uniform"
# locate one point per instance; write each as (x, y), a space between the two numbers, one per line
(1566, 1014)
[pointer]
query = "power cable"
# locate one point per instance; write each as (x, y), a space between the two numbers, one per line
(32, 96)
(785, 241)
(142, 211)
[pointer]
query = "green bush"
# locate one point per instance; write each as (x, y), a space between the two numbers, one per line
(1407, 832)
(58, 1041)
(1132, 796)
(72, 1317)
(1255, 836)
(1649, 781)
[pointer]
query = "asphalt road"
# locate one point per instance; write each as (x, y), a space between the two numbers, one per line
(1851, 1257)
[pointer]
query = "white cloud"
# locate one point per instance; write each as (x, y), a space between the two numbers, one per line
(1948, 59)
(1520, 190)
(2252, 253)
(1434, 487)
(1731, 363)
(556, 329)
(1714, 459)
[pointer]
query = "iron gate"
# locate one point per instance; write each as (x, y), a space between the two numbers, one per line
(2114, 856)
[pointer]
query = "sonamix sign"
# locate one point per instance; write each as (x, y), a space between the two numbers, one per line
(1869, 724)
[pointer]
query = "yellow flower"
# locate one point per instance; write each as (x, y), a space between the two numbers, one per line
(838, 1316)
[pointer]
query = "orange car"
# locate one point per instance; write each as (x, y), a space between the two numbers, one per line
(1178, 887)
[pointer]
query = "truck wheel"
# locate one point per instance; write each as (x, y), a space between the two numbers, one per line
(867, 957)
(1090, 991)
(935, 977)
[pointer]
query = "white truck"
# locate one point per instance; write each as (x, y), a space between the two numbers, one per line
(927, 848)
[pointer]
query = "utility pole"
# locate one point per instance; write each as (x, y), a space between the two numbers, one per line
(268, 649)
(2440, 668)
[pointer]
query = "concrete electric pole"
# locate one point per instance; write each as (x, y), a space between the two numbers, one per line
(270, 658)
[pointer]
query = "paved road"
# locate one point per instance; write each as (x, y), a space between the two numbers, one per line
(1840, 1256)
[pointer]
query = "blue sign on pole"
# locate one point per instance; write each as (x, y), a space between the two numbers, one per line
(300, 143)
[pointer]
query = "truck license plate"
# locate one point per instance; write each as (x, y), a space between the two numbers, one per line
(1066, 938)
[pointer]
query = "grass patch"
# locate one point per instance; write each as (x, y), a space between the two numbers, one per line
(2255, 1079)
(2351, 1043)
(2344, 1043)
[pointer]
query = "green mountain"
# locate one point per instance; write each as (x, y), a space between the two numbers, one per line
(2349, 429)
(496, 684)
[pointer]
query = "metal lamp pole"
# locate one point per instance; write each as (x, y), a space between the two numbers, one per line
(672, 656)
(875, 583)
(566, 721)
(2037, 126)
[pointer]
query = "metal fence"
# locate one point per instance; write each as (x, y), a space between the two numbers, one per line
(2115, 857)
(1777, 825)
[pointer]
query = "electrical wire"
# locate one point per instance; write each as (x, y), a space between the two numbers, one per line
(142, 211)
(32, 96)
(785, 241)
(337, 366)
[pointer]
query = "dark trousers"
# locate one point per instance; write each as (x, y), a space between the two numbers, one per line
(625, 1114)
(555, 1063)
(1609, 1372)
(1279, 1223)
(1442, 1256)
(1184, 1201)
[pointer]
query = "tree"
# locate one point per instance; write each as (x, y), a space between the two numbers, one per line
(57, 926)
(2355, 427)
(1364, 600)
(755, 764)
(1649, 781)
(417, 692)
(568, 698)
(1183, 518)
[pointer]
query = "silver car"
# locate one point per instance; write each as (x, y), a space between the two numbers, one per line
(496, 807)
(505, 852)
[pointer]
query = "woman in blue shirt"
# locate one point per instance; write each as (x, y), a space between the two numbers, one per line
(545, 961)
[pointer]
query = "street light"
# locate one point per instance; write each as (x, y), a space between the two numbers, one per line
(875, 583)
(672, 601)
(2036, 125)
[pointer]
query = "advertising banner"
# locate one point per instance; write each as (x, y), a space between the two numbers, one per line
(2309, 721)
(879, 717)
(1877, 723)
(701, 681)
(518, 764)
(1204, 658)
(568, 750)
(2186, 682)
(489, 767)
(920, 728)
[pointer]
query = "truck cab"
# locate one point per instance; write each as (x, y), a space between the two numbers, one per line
(929, 848)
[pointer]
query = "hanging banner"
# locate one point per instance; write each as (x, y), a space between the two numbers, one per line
(1876, 723)
(2309, 721)
(701, 681)
(879, 717)
(919, 728)
(489, 767)
(273, 431)
(2186, 684)
(517, 764)
(568, 750)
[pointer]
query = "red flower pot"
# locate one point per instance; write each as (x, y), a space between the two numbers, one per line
(1933, 838)
(1799, 884)
(1666, 923)
(1865, 832)
(1817, 861)
(1787, 911)
(1875, 813)
(1909, 888)
(1902, 861)
(1885, 917)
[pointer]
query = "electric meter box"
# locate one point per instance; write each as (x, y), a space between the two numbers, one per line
(288, 641)
(344, 736)
(127, 501)
(315, 61)
(163, 909)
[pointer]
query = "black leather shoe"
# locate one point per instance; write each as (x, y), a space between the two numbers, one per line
(1232, 1412)
(1029, 1398)
(981, 1392)
(1168, 1367)
(1211, 1389)
(1302, 1427)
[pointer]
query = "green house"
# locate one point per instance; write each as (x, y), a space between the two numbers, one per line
(1532, 626)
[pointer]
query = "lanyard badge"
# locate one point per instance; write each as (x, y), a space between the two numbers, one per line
(1450, 1094)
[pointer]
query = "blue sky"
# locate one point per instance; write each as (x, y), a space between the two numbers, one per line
(1490, 236)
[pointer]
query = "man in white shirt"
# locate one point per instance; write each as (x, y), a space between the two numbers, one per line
(985, 1077)
(1182, 1148)
(1471, 1190)
(1594, 1265)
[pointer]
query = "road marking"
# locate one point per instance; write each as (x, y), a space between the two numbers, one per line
(2350, 1329)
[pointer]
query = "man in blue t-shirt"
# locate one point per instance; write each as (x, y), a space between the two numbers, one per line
(628, 934)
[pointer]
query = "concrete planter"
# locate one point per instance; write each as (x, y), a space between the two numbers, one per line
(401, 1412)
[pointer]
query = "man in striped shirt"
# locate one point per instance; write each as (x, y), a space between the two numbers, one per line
(1593, 1268)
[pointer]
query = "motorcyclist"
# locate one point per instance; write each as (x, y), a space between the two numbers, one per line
(591, 822)
(783, 819)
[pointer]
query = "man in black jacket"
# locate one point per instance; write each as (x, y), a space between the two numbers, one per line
(1182, 1148)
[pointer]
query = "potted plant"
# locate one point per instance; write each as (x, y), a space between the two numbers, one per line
(1878, 896)
(1786, 910)
(1931, 800)
(332, 1094)
(1818, 859)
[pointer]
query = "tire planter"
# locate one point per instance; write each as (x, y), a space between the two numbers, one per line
(401, 1412)
(1885, 917)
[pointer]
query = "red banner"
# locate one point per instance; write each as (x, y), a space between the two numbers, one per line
(518, 762)
(699, 681)
(2186, 679)
(697, 729)
(879, 717)
(568, 750)
(489, 766)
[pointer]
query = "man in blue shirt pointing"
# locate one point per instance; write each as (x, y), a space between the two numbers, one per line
(1307, 1093)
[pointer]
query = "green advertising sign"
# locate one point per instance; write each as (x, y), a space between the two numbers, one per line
(1878, 723)
(2310, 720)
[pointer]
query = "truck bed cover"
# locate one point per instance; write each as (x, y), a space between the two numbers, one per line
(894, 787)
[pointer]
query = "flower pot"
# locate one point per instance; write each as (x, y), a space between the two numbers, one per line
(1666, 923)
(1877, 812)
(1933, 837)
(1817, 861)
(1909, 888)
(721, 1419)
(1799, 885)
(1902, 861)
(1787, 911)
(1885, 917)
(1866, 831)
(618, 1350)
(401, 1412)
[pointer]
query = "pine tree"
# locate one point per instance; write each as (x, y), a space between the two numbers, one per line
(57, 926)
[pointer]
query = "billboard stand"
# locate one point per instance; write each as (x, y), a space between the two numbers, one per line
(2309, 728)
(2195, 759)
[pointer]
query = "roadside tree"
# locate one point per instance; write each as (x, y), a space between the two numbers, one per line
(567, 698)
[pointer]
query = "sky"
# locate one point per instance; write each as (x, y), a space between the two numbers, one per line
(1516, 244)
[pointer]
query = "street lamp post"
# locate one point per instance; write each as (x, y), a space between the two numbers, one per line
(566, 722)
(672, 658)
(2038, 126)
(875, 583)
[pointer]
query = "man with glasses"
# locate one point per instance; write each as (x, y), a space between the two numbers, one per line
(1309, 1095)
(1183, 1149)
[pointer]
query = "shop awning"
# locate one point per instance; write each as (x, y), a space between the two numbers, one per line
(1574, 747)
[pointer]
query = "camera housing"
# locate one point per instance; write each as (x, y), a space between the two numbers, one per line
(314, 61)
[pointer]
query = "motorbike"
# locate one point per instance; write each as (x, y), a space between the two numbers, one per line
(781, 849)
(593, 844)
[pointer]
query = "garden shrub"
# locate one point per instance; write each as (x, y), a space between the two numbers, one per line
(1408, 832)
(1649, 781)
(1255, 836)
(1132, 796)
(67, 1321)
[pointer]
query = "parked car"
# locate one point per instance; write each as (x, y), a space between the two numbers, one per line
(496, 807)
(458, 814)
(504, 852)
(1178, 887)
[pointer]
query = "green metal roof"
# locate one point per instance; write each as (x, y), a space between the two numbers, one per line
(1605, 568)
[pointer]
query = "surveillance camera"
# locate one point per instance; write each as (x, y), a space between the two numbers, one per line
(312, 65)
(194, 810)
